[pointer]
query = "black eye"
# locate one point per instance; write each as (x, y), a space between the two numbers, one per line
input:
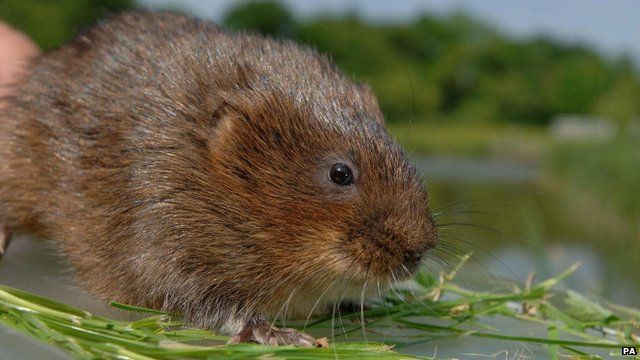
(341, 174)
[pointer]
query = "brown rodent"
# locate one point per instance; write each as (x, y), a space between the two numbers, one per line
(228, 177)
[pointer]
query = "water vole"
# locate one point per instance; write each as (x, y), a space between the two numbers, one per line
(228, 177)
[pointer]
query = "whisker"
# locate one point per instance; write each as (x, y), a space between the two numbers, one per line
(516, 197)
(333, 331)
(382, 301)
(413, 100)
(478, 226)
(286, 309)
(366, 279)
(400, 297)
(457, 254)
(317, 302)
(418, 299)
(344, 331)
(494, 257)
(472, 212)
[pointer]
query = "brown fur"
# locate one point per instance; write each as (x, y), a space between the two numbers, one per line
(183, 167)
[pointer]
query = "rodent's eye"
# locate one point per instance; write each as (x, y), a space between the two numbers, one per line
(341, 174)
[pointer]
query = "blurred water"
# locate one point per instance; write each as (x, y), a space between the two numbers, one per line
(526, 224)
(529, 228)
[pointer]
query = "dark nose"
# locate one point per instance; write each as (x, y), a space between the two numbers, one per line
(411, 260)
(422, 243)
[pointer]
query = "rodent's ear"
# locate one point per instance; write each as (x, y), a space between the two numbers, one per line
(226, 95)
(370, 102)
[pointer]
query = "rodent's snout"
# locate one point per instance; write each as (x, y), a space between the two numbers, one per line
(412, 258)
(393, 247)
(418, 249)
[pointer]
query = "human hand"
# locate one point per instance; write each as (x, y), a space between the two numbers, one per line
(15, 51)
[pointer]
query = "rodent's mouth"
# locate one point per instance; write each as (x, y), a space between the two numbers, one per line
(386, 266)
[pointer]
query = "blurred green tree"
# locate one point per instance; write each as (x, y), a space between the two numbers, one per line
(452, 67)
(621, 101)
(265, 17)
(51, 23)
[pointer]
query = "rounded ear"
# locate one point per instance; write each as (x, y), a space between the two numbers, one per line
(215, 104)
(370, 101)
(215, 96)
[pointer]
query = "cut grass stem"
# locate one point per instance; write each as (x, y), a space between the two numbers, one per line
(161, 335)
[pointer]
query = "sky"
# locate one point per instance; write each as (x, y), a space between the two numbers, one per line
(612, 27)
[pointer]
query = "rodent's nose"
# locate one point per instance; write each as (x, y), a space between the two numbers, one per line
(411, 260)
(415, 253)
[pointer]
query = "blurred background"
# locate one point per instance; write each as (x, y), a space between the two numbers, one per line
(524, 117)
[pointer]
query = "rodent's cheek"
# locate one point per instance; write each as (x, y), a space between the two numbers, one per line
(342, 261)
(336, 257)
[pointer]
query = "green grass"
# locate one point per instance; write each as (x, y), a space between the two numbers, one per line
(471, 139)
(608, 170)
(431, 309)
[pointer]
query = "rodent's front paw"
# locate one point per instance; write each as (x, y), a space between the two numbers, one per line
(5, 238)
(264, 333)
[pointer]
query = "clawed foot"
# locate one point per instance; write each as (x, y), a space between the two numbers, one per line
(263, 333)
(5, 238)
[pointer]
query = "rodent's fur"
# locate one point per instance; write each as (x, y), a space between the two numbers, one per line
(183, 167)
